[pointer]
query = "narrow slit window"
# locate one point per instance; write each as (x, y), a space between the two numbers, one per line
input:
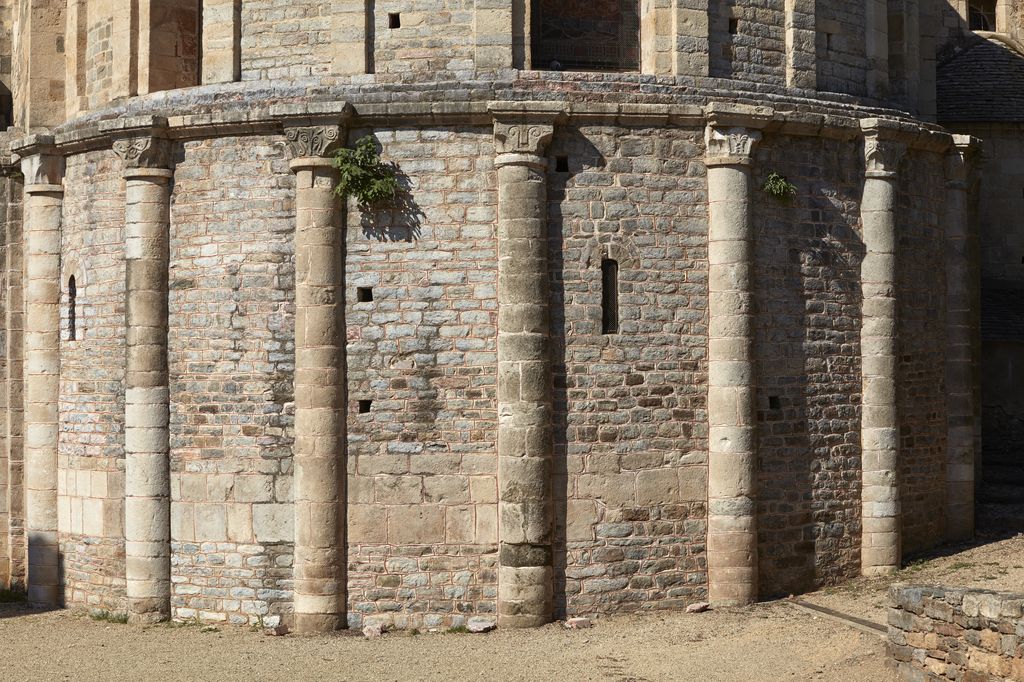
(394, 20)
(72, 296)
(734, 26)
(609, 297)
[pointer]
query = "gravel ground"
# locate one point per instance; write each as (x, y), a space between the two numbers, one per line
(995, 565)
(765, 642)
(773, 641)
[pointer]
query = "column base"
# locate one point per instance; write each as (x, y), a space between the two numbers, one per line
(314, 623)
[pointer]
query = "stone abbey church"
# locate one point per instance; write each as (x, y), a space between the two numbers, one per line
(678, 300)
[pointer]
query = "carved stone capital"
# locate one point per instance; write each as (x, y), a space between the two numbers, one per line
(962, 162)
(305, 141)
(41, 163)
(145, 151)
(882, 157)
(522, 137)
(730, 146)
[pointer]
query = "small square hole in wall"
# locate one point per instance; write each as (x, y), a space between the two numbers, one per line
(774, 403)
(561, 164)
(364, 294)
(394, 20)
(734, 26)
(364, 406)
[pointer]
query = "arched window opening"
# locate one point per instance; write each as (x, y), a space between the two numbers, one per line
(609, 296)
(72, 312)
(592, 35)
(981, 15)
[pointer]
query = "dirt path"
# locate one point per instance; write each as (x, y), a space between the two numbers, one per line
(997, 565)
(765, 642)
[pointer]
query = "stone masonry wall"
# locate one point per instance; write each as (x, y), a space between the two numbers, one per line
(754, 47)
(434, 37)
(630, 418)
(921, 301)
(842, 63)
(231, 359)
(13, 438)
(5, 377)
(808, 252)
(422, 362)
(91, 440)
(943, 633)
(286, 39)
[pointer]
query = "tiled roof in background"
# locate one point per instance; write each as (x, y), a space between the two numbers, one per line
(983, 82)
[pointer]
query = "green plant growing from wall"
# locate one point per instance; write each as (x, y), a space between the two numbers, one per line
(363, 175)
(778, 186)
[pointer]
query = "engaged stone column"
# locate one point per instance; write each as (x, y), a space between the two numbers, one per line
(525, 516)
(880, 493)
(147, 509)
(732, 455)
(961, 301)
(320, 430)
(43, 169)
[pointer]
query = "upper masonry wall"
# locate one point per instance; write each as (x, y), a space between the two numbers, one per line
(69, 57)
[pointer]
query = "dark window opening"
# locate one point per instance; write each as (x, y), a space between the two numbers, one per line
(394, 20)
(561, 164)
(601, 35)
(734, 26)
(609, 297)
(981, 15)
(364, 406)
(774, 403)
(828, 42)
(364, 294)
(72, 299)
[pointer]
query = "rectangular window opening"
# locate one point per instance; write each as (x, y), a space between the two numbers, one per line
(829, 42)
(609, 297)
(561, 164)
(364, 294)
(394, 20)
(364, 406)
(774, 403)
(734, 26)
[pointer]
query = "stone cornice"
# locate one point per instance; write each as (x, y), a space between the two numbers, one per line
(270, 120)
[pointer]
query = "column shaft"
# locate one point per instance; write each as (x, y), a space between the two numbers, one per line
(961, 296)
(880, 493)
(147, 396)
(525, 513)
(42, 378)
(732, 456)
(320, 430)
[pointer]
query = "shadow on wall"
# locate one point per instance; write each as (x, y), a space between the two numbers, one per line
(397, 220)
(589, 157)
(807, 322)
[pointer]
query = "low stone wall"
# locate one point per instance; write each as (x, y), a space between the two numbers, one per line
(943, 633)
